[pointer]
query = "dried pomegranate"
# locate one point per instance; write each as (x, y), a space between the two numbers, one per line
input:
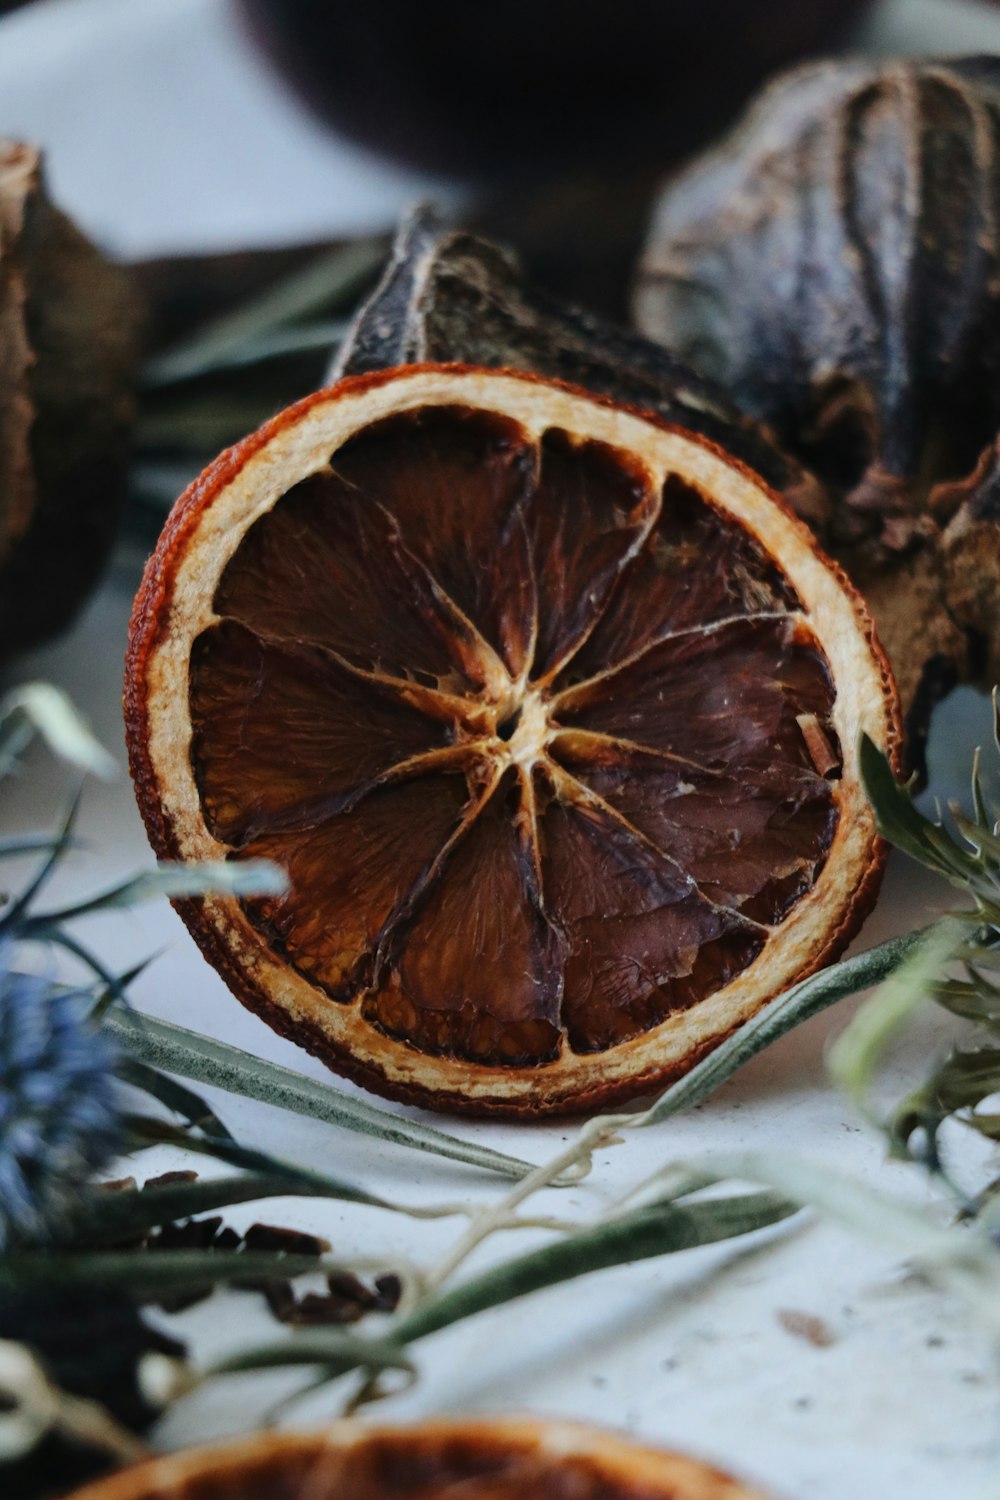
(68, 347)
(481, 1459)
(835, 264)
(550, 712)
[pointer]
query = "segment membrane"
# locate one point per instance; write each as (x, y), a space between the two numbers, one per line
(284, 735)
(326, 565)
(642, 942)
(586, 517)
(478, 973)
(352, 876)
(697, 567)
(455, 482)
(726, 697)
(387, 613)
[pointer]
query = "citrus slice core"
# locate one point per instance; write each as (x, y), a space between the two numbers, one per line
(548, 711)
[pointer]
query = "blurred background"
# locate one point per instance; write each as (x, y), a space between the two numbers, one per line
(192, 125)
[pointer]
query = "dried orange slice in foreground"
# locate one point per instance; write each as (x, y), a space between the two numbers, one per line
(550, 713)
(504, 1459)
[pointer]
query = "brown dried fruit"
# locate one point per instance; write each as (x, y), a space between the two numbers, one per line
(835, 264)
(68, 347)
(512, 682)
(448, 295)
(498, 1459)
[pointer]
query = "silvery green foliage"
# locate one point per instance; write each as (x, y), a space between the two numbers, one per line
(58, 1112)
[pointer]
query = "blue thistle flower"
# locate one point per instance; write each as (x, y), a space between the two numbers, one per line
(59, 1119)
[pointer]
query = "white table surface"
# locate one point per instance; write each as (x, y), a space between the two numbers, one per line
(165, 132)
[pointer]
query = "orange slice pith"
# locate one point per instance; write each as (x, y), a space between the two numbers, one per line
(506, 1458)
(549, 711)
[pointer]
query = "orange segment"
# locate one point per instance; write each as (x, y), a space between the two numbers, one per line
(549, 712)
(339, 912)
(283, 735)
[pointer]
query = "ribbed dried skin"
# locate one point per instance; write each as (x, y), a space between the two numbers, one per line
(836, 264)
(451, 295)
(484, 861)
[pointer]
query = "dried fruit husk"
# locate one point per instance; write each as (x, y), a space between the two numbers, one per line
(447, 295)
(835, 264)
(505, 1458)
(69, 326)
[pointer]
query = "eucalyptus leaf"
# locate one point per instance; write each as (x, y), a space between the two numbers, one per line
(174, 1049)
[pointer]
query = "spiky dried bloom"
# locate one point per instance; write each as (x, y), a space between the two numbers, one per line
(58, 1110)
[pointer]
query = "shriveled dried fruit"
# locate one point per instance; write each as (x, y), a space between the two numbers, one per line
(447, 294)
(835, 263)
(68, 346)
(499, 1459)
(550, 712)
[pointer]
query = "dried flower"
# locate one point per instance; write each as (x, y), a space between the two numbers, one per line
(58, 1109)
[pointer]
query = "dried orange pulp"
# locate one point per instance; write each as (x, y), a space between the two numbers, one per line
(549, 711)
(480, 1459)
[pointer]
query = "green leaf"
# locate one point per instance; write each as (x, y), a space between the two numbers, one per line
(334, 1349)
(333, 277)
(857, 1052)
(167, 1091)
(145, 1132)
(106, 1217)
(151, 1274)
(174, 1049)
(249, 877)
(781, 1015)
(961, 1259)
(44, 709)
(640, 1235)
(897, 818)
(643, 1234)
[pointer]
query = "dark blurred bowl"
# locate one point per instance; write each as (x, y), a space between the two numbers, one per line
(533, 86)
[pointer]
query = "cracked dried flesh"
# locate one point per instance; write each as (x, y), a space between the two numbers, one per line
(545, 737)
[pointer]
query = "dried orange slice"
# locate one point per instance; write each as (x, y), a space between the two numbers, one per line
(549, 711)
(501, 1459)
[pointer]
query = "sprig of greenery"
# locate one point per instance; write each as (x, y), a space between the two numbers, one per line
(667, 1214)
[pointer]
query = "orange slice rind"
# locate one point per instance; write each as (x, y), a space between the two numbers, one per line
(481, 1459)
(550, 712)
